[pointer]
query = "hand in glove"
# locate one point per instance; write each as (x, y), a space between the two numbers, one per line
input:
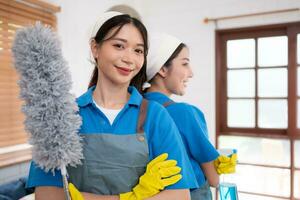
(226, 164)
(159, 174)
(75, 194)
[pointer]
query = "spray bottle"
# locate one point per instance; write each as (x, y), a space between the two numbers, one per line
(227, 190)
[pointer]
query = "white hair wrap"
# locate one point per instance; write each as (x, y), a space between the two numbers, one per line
(102, 19)
(95, 28)
(161, 47)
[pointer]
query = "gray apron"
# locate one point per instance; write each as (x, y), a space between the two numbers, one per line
(112, 163)
(202, 193)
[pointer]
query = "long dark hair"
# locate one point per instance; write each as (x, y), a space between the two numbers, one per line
(119, 21)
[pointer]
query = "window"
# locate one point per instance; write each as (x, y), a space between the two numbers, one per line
(13, 15)
(258, 108)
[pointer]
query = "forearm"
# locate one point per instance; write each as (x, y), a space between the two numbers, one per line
(210, 173)
(180, 194)
(49, 193)
(90, 196)
(56, 193)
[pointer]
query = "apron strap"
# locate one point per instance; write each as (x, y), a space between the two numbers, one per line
(142, 116)
(166, 104)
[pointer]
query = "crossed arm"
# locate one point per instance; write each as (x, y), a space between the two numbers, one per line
(55, 193)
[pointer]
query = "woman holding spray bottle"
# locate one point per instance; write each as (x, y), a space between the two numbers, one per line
(168, 72)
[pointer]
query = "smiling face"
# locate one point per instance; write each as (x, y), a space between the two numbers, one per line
(119, 58)
(178, 73)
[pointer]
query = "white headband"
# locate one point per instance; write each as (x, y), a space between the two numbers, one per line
(161, 47)
(102, 19)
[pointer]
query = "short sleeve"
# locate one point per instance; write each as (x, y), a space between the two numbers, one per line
(38, 177)
(163, 137)
(193, 129)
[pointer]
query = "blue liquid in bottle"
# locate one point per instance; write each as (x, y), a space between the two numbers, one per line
(228, 191)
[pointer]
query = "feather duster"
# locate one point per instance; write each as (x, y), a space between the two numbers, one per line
(52, 119)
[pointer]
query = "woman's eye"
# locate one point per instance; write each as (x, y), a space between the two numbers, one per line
(185, 64)
(139, 51)
(119, 46)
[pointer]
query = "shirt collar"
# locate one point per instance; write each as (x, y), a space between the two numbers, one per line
(135, 97)
(157, 96)
(87, 98)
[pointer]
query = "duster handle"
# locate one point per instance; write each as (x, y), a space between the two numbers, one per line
(65, 183)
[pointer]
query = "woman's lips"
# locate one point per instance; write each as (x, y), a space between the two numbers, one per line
(124, 71)
(185, 83)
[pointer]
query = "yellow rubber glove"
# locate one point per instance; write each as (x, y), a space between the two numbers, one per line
(159, 174)
(226, 164)
(75, 194)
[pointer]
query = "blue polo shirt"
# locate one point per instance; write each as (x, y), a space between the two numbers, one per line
(161, 133)
(192, 127)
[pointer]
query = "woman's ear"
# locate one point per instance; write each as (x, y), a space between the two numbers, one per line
(163, 72)
(94, 48)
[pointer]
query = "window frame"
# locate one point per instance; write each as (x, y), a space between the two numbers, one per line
(292, 132)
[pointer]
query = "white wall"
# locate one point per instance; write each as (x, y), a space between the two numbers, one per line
(183, 19)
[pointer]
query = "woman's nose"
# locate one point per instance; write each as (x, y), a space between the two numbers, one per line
(128, 56)
(191, 74)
